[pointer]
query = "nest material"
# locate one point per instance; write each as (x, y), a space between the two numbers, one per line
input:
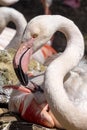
(7, 75)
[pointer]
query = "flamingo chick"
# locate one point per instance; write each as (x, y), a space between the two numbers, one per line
(31, 104)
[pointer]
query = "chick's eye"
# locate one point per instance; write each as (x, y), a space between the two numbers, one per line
(35, 35)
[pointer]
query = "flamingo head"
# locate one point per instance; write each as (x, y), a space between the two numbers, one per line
(36, 34)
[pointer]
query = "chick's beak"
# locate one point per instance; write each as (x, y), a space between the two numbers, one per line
(21, 61)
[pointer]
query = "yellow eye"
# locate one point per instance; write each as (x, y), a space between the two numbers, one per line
(35, 35)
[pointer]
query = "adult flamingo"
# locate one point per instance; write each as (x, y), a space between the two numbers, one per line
(68, 102)
(11, 15)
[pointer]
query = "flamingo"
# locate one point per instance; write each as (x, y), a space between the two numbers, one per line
(66, 96)
(31, 104)
(11, 15)
(7, 2)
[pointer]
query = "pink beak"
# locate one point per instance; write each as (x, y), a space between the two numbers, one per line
(21, 61)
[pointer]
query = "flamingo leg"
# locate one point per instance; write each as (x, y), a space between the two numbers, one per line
(46, 6)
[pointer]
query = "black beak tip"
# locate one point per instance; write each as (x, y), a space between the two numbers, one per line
(23, 78)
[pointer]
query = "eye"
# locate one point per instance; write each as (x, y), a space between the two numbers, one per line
(35, 35)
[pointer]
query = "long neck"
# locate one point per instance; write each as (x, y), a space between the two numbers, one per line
(11, 15)
(64, 110)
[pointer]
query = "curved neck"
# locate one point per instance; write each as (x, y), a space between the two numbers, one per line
(63, 109)
(11, 15)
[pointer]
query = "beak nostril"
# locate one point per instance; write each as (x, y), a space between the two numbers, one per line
(35, 35)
